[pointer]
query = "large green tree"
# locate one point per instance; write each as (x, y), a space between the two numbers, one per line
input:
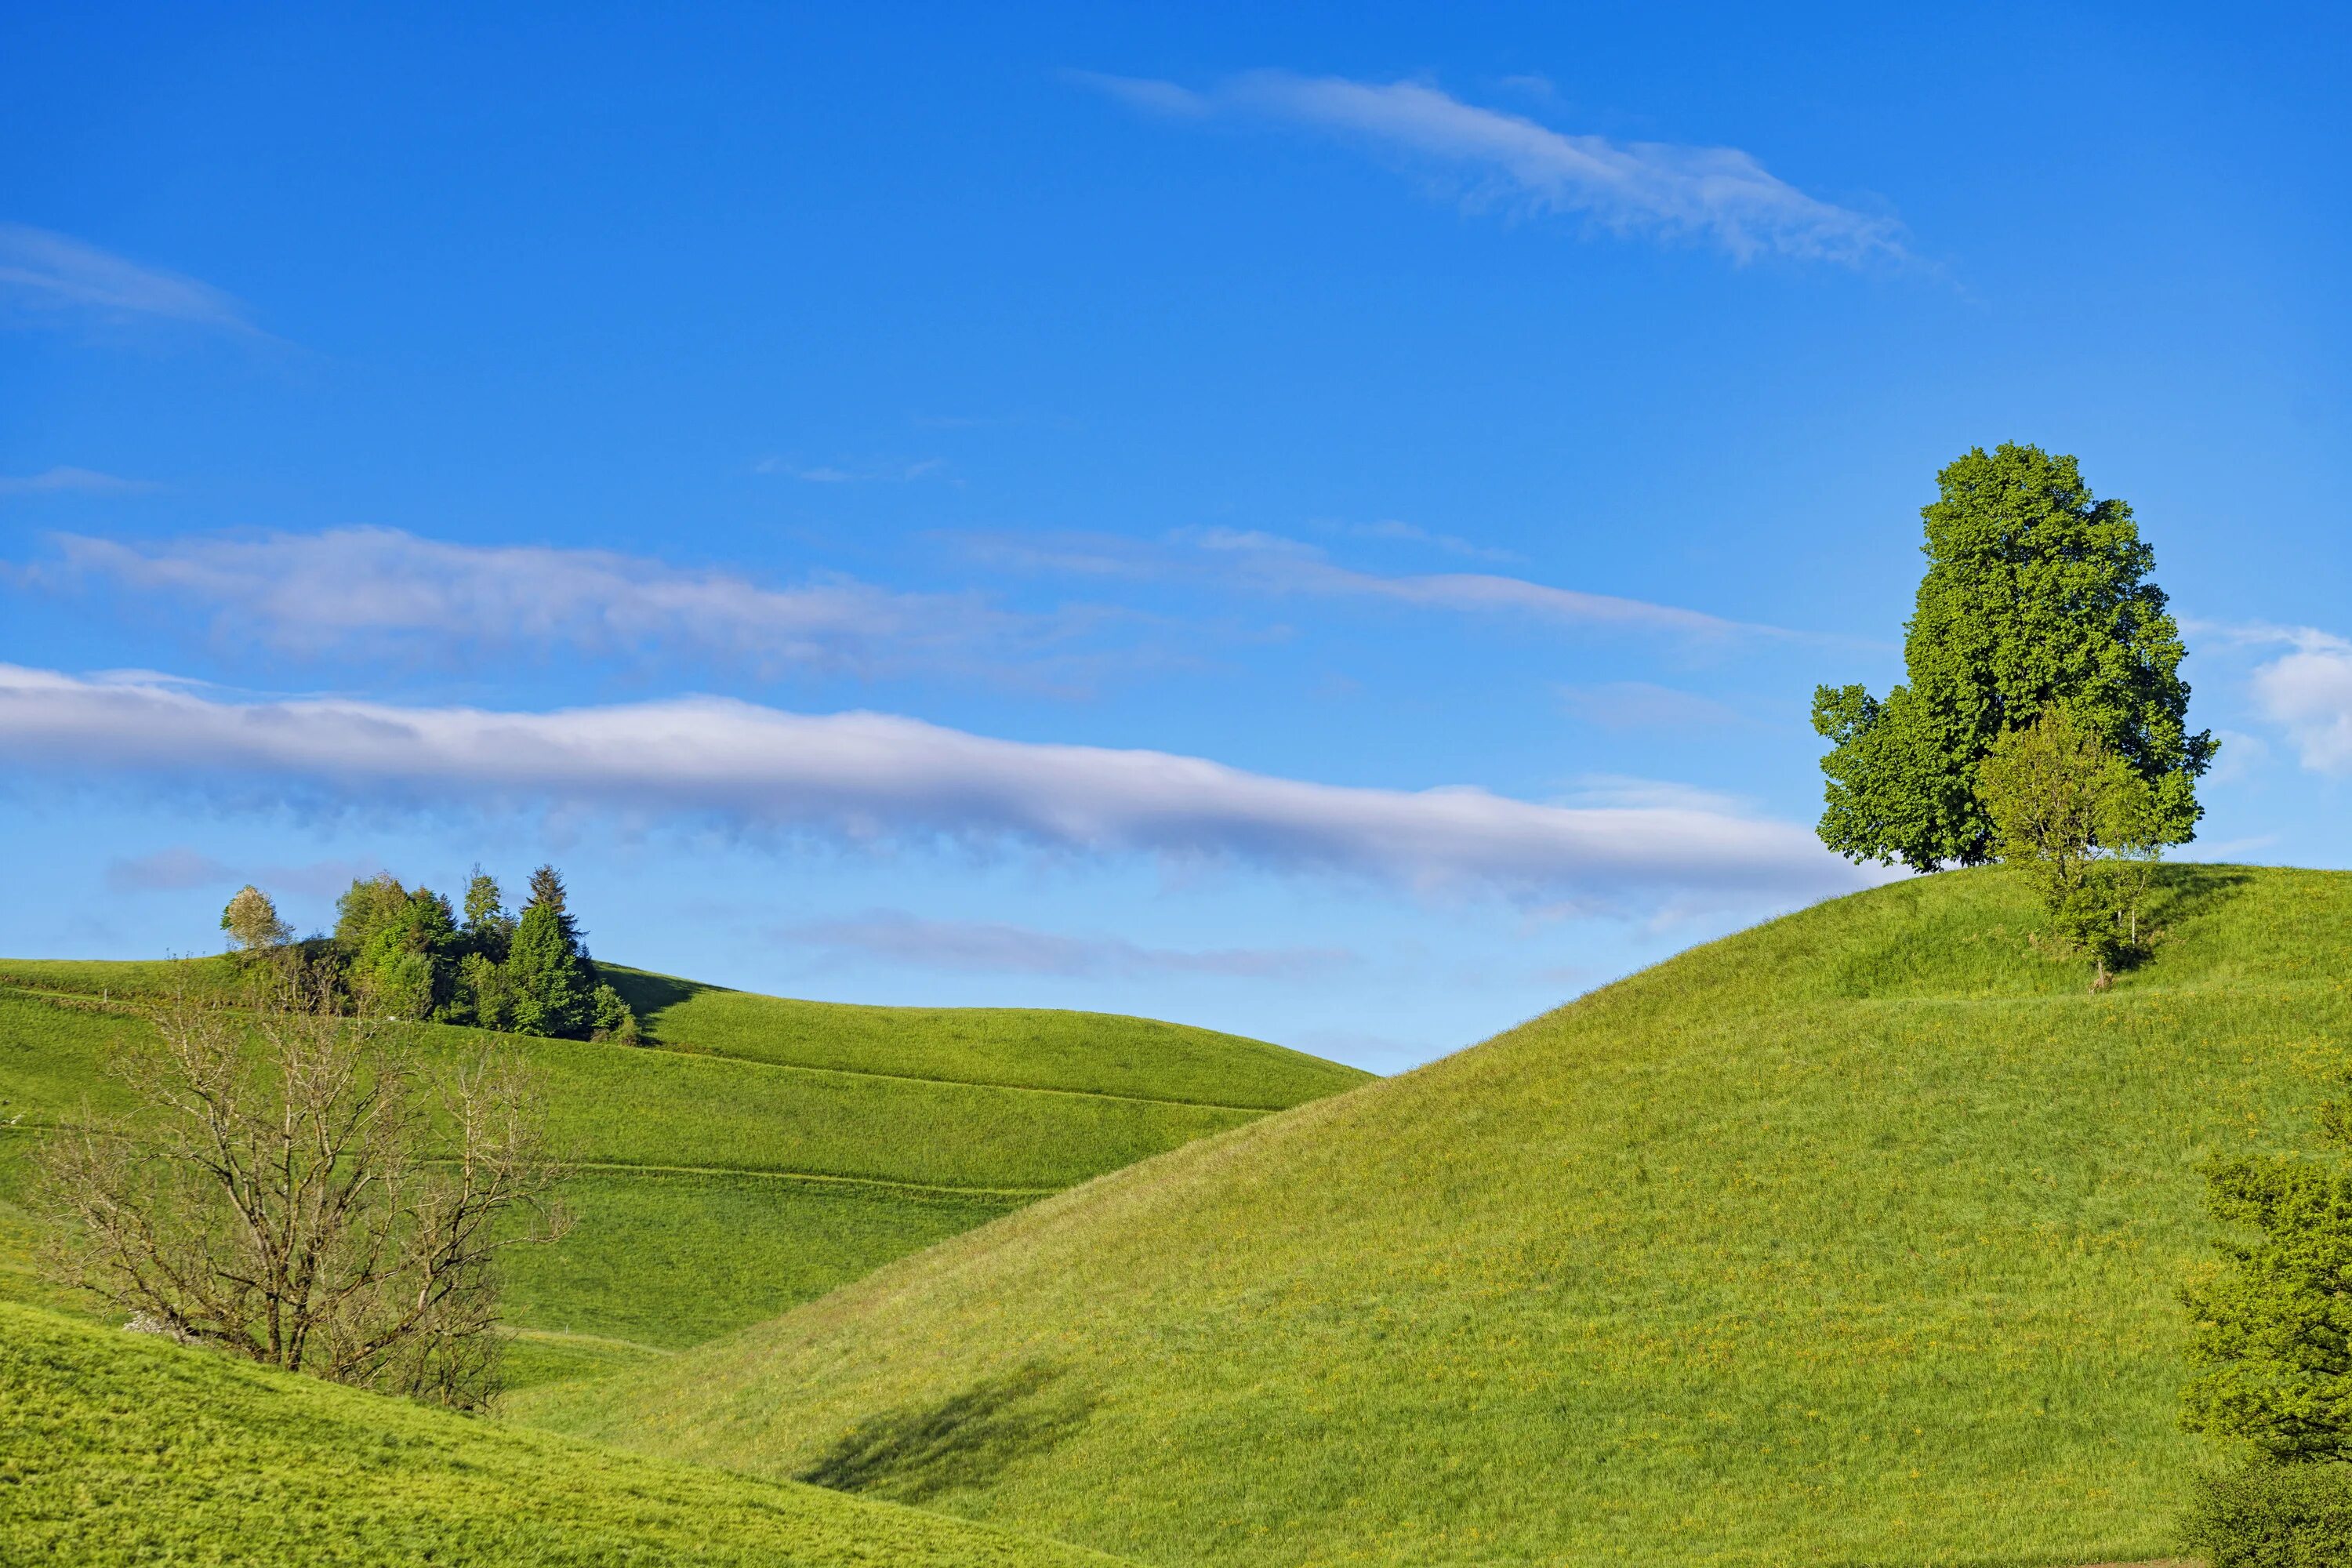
(2036, 593)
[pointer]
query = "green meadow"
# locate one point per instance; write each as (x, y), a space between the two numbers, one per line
(1855, 1239)
(119, 1448)
(760, 1153)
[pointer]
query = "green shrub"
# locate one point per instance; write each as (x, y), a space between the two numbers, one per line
(2272, 1516)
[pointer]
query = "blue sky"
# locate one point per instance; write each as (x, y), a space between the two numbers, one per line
(1324, 524)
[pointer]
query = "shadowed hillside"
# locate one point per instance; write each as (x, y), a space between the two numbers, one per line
(1852, 1238)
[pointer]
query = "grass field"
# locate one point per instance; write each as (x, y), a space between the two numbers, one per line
(1853, 1239)
(119, 1448)
(766, 1151)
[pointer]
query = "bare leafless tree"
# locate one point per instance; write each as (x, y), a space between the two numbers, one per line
(294, 1188)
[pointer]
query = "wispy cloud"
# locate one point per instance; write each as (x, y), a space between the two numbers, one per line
(852, 473)
(1269, 563)
(43, 271)
(1643, 705)
(181, 868)
(1285, 565)
(1412, 533)
(366, 590)
(75, 481)
(878, 778)
(1718, 194)
(985, 947)
(172, 870)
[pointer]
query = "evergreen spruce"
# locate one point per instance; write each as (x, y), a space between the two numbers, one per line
(551, 980)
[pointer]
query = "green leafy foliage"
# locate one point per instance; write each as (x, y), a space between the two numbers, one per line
(2272, 1321)
(2084, 829)
(2271, 1516)
(1853, 1238)
(405, 956)
(252, 924)
(2035, 593)
(119, 1448)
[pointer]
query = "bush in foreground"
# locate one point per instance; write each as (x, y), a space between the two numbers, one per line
(2272, 1516)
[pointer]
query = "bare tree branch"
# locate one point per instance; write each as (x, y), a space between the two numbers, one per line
(291, 1188)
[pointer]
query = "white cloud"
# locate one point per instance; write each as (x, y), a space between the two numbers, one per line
(82, 481)
(990, 948)
(1282, 565)
(1717, 194)
(45, 271)
(365, 589)
(878, 778)
(2308, 693)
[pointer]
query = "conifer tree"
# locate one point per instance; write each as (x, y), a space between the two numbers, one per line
(552, 984)
(2036, 593)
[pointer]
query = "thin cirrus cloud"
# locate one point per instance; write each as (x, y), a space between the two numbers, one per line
(364, 590)
(1718, 194)
(1270, 564)
(987, 947)
(1412, 533)
(879, 779)
(73, 481)
(47, 273)
(1278, 565)
(172, 870)
(181, 868)
(1644, 705)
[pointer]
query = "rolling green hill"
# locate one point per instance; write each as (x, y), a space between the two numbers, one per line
(762, 1152)
(1855, 1238)
(119, 1448)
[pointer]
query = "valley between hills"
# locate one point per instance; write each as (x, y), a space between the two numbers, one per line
(1855, 1237)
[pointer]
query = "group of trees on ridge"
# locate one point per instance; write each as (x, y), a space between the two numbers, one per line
(403, 952)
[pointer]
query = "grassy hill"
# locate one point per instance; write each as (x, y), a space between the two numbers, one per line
(762, 1152)
(1855, 1238)
(119, 1448)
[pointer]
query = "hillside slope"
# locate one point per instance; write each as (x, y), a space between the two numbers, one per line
(119, 1448)
(1852, 1238)
(763, 1153)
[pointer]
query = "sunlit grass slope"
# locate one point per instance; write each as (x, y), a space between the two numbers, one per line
(1850, 1239)
(119, 1448)
(763, 1153)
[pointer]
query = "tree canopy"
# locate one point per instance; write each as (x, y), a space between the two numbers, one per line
(2036, 593)
(400, 953)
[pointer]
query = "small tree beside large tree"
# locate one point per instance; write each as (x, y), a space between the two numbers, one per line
(2084, 829)
(2036, 595)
